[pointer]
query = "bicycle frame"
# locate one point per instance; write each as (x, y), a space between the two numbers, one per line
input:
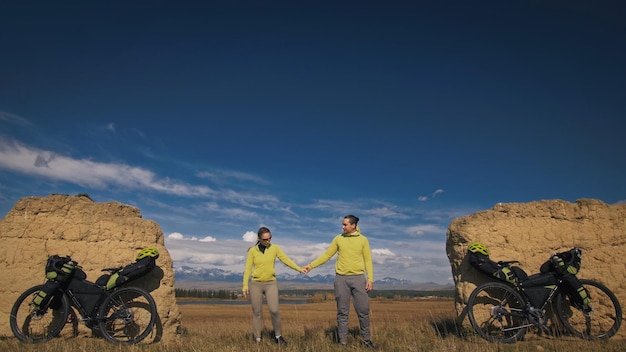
(85, 316)
(531, 312)
(551, 295)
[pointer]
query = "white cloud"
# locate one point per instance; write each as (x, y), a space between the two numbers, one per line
(416, 260)
(227, 254)
(15, 119)
(382, 252)
(224, 206)
(421, 230)
(250, 236)
(422, 198)
(227, 175)
(381, 255)
(24, 159)
(387, 211)
(437, 192)
(175, 236)
(187, 257)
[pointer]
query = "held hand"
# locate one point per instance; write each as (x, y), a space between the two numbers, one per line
(306, 269)
(245, 293)
(369, 286)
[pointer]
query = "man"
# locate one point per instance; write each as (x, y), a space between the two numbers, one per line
(354, 259)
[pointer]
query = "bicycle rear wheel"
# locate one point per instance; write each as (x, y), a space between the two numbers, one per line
(127, 316)
(30, 325)
(600, 319)
(496, 312)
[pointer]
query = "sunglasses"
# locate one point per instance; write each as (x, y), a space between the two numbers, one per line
(266, 239)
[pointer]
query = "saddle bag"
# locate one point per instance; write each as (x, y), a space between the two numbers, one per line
(130, 272)
(487, 266)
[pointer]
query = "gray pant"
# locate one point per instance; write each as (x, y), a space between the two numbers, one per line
(347, 286)
(270, 289)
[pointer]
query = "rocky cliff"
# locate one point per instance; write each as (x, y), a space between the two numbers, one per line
(531, 232)
(97, 236)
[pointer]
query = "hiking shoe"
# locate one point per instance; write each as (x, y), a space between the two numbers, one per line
(369, 344)
(281, 341)
(342, 342)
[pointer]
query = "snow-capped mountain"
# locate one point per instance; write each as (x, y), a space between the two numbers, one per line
(191, 274)
(186, 273)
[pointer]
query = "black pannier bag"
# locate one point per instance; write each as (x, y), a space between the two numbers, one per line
(130, 272)
(58, 271)
(537, 287)
(565, 265)
(478, 257)
(45, 294)
(87, 293)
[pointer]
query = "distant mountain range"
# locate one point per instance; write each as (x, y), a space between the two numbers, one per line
(186, 274)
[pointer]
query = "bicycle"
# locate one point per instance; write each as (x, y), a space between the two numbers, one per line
(124, 315)
(503, 311)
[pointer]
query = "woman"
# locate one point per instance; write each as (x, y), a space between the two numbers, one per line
(262, 257)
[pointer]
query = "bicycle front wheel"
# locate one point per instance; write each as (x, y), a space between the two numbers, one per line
(127, 316)
(598, 320)
(496, 312)
(36, 325)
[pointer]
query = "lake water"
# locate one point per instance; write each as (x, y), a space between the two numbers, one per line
(238, 302)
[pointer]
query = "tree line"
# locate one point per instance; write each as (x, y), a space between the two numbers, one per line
(208, 294)
(389, 294)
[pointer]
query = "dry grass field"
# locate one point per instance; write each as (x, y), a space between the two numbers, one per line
(419, 325)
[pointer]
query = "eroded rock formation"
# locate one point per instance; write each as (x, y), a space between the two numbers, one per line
(97, 235)
(531, 232)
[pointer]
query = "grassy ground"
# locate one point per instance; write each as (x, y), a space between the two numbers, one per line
(421, 325)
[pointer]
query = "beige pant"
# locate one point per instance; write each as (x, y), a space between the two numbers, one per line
(270, 289)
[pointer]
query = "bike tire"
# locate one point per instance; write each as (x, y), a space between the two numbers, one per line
(604, 320)
(127, 316)
(31, 326)
(496, 312)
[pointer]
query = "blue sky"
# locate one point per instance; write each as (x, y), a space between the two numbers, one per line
(215, 118)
